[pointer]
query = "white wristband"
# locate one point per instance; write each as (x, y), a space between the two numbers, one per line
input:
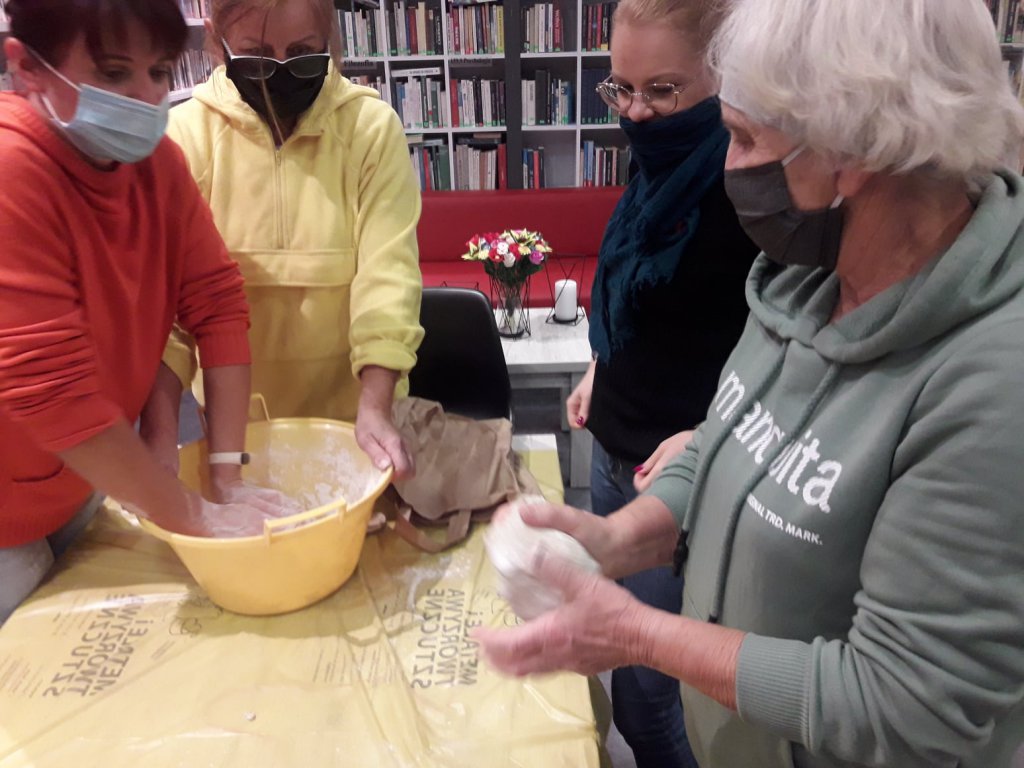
(239, 458)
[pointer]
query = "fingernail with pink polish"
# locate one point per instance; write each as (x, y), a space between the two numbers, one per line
(638, 469)
(579, 421)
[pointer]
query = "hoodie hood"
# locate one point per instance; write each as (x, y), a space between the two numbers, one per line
(219, 94)
(972, 277)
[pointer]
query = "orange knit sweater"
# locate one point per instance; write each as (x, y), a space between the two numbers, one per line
(94, 268)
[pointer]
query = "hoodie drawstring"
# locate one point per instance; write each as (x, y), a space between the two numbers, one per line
(726, 559)
(682, 550)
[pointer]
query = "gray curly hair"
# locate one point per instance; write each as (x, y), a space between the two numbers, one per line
(893, 85)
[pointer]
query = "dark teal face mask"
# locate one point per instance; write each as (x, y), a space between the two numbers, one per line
(786, 234)
(662, 143)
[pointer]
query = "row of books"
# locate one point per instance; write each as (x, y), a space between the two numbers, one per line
(533, 168)
(476, 29)
(597, 26)
(480, 162)
(192, 68)
(414, 30)
(1009, 19)
(477, 102)
(193, 9)
(1014, 73)
(547, 100)
(603, 166)
(419, 97)
(377, 82)
(593, 109)
(363, 32)
(543, 29)
(431, 162)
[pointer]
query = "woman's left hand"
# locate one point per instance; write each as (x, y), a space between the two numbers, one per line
(597, 628)
(377, 435)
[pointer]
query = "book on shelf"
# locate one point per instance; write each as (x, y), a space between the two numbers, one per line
(377, 82)
(419, 97)
(477, 102)
(192, 68)
(480, 161)
(475, 29)
(191, 9)
(547, 100)
(603, 166)
(414, 29)
(364, 32)
(597, 26)
(430, 161)
(593, 109)
(542, 27)
(533, 168)
(1016, 77)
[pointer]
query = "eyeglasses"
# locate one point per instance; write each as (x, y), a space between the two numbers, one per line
(661, 98)
(263, 67)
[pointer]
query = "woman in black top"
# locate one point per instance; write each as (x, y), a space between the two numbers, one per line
(668, 306)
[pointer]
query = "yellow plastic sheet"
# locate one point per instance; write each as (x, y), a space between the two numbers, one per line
(119, 660)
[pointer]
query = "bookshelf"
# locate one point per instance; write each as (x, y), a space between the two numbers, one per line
(193, 68)
(1008, 18)
(6, 79)
(547, 128)
(195, 64)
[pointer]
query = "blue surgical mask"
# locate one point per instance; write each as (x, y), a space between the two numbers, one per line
(109, 126)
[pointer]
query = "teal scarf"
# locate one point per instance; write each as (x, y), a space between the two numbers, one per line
(680, 158)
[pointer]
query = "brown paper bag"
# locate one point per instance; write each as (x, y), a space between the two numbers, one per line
(464, 468)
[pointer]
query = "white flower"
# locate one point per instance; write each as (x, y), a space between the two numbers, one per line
(510, 259)
(502, 248)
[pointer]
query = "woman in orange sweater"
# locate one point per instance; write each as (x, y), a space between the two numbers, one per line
(106, 241)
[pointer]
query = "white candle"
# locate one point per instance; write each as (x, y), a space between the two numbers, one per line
(565, 300)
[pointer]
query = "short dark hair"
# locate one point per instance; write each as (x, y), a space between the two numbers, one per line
(49, 27)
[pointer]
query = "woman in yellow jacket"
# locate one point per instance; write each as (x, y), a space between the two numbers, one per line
(310, 183)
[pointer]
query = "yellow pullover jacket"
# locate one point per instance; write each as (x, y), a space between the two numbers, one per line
(324, 229)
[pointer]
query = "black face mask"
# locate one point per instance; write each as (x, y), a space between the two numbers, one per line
(786, 234)
(289, 95)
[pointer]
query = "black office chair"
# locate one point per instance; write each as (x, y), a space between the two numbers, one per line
(460, 363)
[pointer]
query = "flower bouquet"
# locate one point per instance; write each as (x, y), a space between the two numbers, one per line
(509, 258)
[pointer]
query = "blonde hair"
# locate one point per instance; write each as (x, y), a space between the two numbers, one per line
(224, 13)
(697, 20)
(892, 85)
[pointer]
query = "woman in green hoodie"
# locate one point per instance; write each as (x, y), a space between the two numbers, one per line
(849, 513)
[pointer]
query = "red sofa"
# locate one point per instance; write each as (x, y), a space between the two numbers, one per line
(571, 220)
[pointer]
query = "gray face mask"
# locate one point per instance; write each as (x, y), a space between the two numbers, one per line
(786, 234)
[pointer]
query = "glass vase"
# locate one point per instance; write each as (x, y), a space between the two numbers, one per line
(511, 302)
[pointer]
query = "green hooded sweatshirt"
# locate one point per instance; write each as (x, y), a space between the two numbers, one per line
(855, 502)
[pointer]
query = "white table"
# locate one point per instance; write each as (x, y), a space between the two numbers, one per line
(554, 356)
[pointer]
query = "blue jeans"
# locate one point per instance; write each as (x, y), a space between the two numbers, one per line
(24, 567)
(645, 703)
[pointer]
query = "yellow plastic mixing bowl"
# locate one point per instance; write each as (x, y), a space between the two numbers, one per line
(299, 559)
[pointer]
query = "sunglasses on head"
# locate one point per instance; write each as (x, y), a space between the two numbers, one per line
(263, 67)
